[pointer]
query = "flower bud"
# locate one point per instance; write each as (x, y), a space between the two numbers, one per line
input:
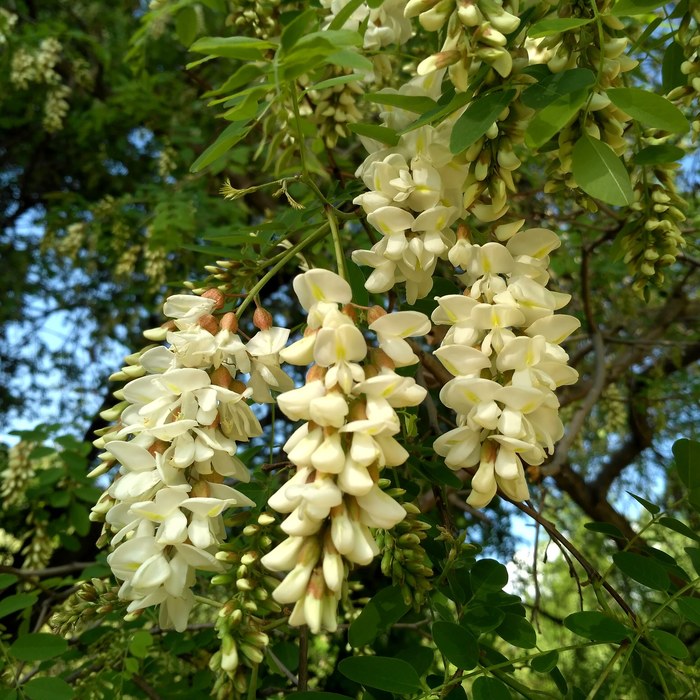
(262, 319)
(217, 295)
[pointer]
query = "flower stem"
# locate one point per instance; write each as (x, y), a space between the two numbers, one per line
(337, 244)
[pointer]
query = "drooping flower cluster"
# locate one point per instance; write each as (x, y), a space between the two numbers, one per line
(503, 349)
(415, 195)
(348, 404)
(180, 419)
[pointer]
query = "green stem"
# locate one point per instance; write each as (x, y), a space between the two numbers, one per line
(278, 266)
(337, 244)
(253, 683)
(606, 672)
(208, 601)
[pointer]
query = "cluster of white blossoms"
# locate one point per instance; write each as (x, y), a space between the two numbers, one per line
(348, 407)
(415, 195)
(503, 349)
(180, 419)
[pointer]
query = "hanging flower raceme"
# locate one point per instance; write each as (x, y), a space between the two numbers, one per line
(175, 444)
(348, 405)
(503, 348)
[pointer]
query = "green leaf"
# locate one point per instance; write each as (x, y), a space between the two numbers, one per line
(227, 139)
(654, 155)
(642, 569)
(672, 75)
(596, 626)
(690, 609)
(381, 672)
(332, 82)
(38, 647)
(490, 689)
(298, 28)
(7, 580)
(483, 618)
(669, 644)
(488, 575)
(446, 106)
(340, 19)
(687, 455)
(556, 85)
(694, 555)
(140, 643)
(50, 688)
(457, 693)
(605, 529)
(680, 527)
(360, 295)
(79, 518)
(562, 686)
(351, 60)
(649, 109)
(546, 662)
(553, 118)
(600, 173)
(457, 644)
(378, 133)
(240, 47)
(383, 610)
(477, 118)
(630, 8)
(317, 695)
(16, 602)
(648, 505)
(517, 631)
(186, 25)
(547, 27)
(411, 103)
(437, 472)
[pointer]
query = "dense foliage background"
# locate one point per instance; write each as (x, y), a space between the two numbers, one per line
(121, 133)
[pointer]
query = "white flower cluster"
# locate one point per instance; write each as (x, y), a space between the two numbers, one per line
(385, 23)
(416, 194)
(180, 419)
(7, 22)
(503, 350)
(348, 404)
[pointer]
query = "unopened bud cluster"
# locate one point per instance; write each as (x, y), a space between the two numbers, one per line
(93, 599)
(348, 407)
(180, 418)
(503, 349)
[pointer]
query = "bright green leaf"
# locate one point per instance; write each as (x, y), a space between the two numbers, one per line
(140, 643)
(553, 118)
(7, 580)
(680, 527)
(381, 672)
(298, 28)
(240, 47)
(227, 139)
(600, 173)
(672, 75)
(547, 27)
(16, 602)
(630, 8)
(186, 25)
(654, 155)
(38, 647)
(457, 644)
(477, 118)
(649, 108)
(554, 86)
(332, 82)
(596, 626)
(352, 60)
(648, 505)
(378, 133)
(383, 610)
(485, 688)
(642, 569)
(411, 103)
(669, 644)
(49, 688)
(517, 631)
(545, 663)
(344, 14)
(605, 529)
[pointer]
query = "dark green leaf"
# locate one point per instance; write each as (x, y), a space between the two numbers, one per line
(488, 575)
(7, 580)
(545, 663)
(16, 602)
(241, 47)
(8, 694)
(687, 456)
(437, 472)
(562, 686)
(606, 529)
(694, 555)
(457, 644)
(483, 618)
(630, 8)
(642, 569)
(351, 60)
(653, 155)
(411, 103)
(669, 644)
(38, 647)
(690, 609)
(517, 631)
(679, 527)
(299, 27)
(556, 85)
(382, 672)
(378, 133)
(332, 82)
(671, 74)
(360, 295)
(648, 505)
(600, 173)
(457, 693)
(553, 118)
(477, 118)
(596, 626)
(490, 689)
(547, 27)
(421, 658)
(649, 109)
(383, 610)
(48, 689)
(227, 139)
(79, 518)
(186, 25)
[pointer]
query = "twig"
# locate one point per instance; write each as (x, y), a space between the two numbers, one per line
(49, 571)
(141, 683)
(303, 658)
(282, 667)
